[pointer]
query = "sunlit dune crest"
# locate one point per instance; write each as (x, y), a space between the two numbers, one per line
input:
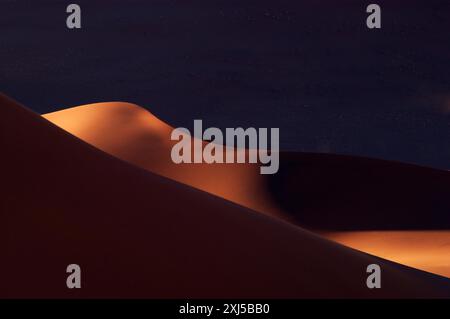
(133, 134)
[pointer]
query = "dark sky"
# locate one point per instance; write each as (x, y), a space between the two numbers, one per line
(312, 68)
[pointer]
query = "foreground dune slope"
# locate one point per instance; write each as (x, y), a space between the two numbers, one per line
(66, 202)
(340, 196)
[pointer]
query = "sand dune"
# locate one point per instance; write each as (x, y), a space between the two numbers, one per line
(319, 191)
(133, 134)
(137, 234)
(391, 195)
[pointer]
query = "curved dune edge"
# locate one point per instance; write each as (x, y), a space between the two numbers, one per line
(133, 240)
(133, 134)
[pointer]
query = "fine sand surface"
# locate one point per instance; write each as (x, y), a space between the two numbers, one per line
(133, 134)
(343, 195)
(137, 234)
(426, 250)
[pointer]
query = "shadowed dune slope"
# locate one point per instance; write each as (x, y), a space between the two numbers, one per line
(136, 234)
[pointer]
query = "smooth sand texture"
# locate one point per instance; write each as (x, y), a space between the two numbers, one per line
(355, 196)
(135, 135)
(136, 234)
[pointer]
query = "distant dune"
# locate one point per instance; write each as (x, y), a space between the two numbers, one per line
(427, 250)
(339, 196)
(136, 234)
